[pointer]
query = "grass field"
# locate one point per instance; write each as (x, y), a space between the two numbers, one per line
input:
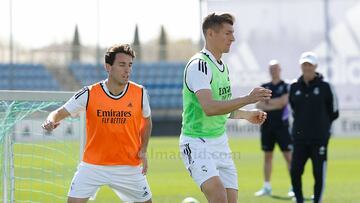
(170, 182)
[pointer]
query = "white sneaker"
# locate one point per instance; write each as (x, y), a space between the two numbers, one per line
(264, 191)
(291, 193)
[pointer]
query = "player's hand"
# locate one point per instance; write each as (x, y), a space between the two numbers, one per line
(259, 94)
(256, 116)
(143, 158)
(49, 125)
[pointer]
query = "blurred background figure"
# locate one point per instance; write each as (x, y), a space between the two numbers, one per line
(315, 107)
(276, 128)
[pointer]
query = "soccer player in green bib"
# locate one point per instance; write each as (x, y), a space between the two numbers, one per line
(207, 104)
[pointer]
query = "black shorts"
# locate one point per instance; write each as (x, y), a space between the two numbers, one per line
(280, 135)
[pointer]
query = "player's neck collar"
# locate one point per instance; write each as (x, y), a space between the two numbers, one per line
(219, 63)
(107, 91)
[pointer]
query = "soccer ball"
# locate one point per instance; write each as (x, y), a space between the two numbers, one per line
(190, 200)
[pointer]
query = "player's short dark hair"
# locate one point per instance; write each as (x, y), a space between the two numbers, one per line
(118, 48)
(215, 21)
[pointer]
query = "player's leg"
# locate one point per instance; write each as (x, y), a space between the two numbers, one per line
(232, 195)
(130, 184)
(86, 181)
(228, 173)
(267, 146)
(285, 143)
(268, 157)
(318, 158)
(228, 177)
(287, 156)
(197, 157)
(214, 190)
(300, 155)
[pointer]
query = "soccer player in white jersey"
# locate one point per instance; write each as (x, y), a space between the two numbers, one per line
(118, 127)
(207, 104)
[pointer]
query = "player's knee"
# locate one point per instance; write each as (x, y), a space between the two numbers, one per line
(214, 190)
(268, 156)
(218, 197)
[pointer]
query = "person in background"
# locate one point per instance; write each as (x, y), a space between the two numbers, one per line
(276, 127)
(314, 108)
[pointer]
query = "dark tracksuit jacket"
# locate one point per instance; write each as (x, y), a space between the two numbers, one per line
(314, 107)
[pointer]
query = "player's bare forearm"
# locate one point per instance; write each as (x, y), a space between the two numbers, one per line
(238, 114)
(53, 119)
(58, 115)
(262, 105)
(253, 116)
(278, 103)
(213, 107)
(273, 104)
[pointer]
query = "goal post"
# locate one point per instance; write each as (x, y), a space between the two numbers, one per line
(37, 166)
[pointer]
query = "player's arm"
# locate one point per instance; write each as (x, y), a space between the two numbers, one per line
(273, 104)
(262, 105)
(145, 134)
(279, 103)
(72, 107)
(332, 104)
(213, 107)
(145, 131)
(199, 81)
(54, 118)
(253, 116)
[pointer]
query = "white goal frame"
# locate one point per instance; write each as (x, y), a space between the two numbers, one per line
(36, 96)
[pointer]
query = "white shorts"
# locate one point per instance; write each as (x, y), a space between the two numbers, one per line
(208, 157)
(127, 182)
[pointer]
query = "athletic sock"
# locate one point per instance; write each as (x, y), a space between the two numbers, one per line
(267, 185)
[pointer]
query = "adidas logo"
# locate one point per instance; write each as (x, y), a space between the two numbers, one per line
(130, 105)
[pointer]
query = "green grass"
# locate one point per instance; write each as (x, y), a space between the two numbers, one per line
(170, 182)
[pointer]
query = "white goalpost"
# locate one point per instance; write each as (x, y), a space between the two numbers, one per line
(37, 166)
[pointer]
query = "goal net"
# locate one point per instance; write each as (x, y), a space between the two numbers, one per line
(36, 166)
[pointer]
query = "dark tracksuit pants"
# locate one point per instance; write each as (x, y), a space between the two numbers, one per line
(318, 155)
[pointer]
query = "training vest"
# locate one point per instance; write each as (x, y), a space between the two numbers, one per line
(195, 122)
(113, 126)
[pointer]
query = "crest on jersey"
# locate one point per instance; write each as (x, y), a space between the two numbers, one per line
(316, 91)
(204, 168)
(297, 93)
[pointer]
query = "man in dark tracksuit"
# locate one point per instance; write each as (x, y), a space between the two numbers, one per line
(314, 106)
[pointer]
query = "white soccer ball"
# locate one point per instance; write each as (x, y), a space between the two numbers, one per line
(190, 200)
